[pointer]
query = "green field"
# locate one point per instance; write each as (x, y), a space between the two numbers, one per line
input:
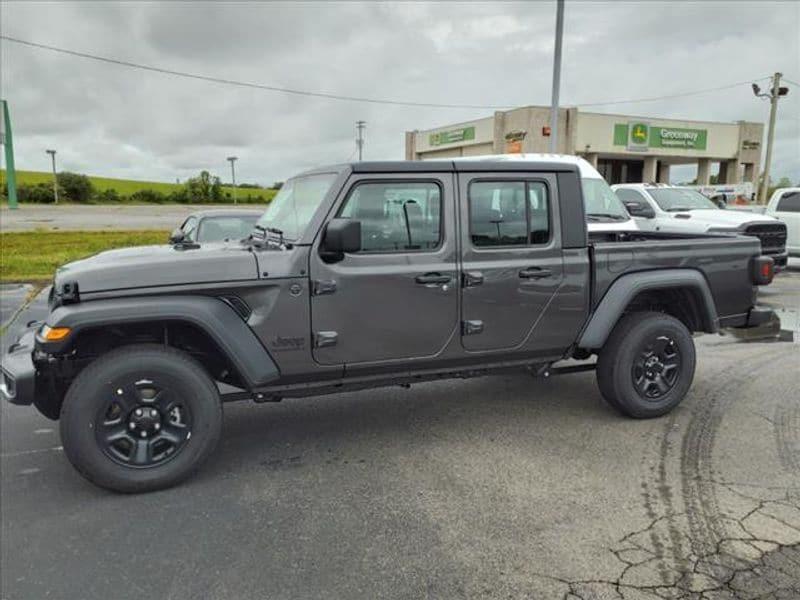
(126, 187)
(35, 255)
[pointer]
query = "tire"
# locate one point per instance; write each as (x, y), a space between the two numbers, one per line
(647, 365)
(140, 418)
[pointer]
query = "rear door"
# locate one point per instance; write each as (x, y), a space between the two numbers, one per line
(397, 298)
(512, 258)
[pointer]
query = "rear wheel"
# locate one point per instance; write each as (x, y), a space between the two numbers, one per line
(140, 418)
(647, 365)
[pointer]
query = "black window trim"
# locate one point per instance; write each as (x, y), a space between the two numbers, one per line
(396, 180)
(526, 181)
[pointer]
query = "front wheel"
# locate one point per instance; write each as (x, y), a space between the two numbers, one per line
(647, 364)
(140, 418)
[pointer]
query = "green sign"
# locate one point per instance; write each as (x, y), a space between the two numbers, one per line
(452, 136)
(641, 136)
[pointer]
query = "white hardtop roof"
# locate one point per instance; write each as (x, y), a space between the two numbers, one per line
(587, 171)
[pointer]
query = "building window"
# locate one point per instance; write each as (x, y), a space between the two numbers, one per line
(508, 213)
(396, 216)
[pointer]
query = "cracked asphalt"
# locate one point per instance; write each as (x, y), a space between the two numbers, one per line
(502, 487)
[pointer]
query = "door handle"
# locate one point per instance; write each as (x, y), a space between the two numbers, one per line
(432, 279)
(534, 273)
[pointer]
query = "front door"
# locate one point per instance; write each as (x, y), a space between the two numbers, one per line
(397, 298)
(512, 260)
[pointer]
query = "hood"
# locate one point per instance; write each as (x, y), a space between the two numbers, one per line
(629, 225)
(147, 266)
(732, 219)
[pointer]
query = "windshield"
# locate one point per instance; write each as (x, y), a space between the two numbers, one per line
(218, 229)
(674, 199)
(297, 201)
(601, 201)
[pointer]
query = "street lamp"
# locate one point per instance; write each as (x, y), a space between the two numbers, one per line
(233, 159)
(52, 154)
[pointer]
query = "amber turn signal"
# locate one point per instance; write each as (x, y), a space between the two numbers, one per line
(55, 334)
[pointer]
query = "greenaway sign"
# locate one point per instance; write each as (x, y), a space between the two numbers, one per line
(641, 136)
(451, 136)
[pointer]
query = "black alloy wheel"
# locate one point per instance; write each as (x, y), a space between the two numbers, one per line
(656, 367)
(143, 424)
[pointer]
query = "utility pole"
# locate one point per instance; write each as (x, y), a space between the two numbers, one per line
(360, 125)
(774, 95)
(52, 154)
(556, 77)
(233, 159)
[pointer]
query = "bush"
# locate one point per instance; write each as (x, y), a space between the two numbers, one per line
(148, 196)
(40, 193)
(77, 187)
(109, 196)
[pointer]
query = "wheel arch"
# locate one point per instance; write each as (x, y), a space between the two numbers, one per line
(682, 293)
(209, 316)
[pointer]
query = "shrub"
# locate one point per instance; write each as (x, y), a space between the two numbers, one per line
(147, 196)
(40, 193)
(77, 187)
(106, 196)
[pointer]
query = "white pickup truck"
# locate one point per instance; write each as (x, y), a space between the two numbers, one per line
(784, 205)
(670, 209)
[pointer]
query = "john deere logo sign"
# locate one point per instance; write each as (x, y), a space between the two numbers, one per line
(639, 133)
(451, 136)
(642, 136)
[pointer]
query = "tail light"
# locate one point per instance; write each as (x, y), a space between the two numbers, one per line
(762, 270)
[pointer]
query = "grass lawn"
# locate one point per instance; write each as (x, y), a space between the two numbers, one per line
(34, 255)
(126, 187)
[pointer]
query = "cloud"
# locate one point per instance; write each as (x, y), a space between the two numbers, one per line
(114, 121)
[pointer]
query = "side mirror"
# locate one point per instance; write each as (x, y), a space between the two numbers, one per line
(341, 236)
(640, 209)
(177, 236)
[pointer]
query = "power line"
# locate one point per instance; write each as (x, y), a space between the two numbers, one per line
(679, 95)
(260, 86)
(331, 96)
(792, 82)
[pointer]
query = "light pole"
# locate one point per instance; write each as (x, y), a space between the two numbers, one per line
(52, 154)
(556, 77)
(774, 94)
(233, 159)
(360, 125)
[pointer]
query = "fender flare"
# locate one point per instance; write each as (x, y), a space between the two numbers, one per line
(627, 287)
(211, 315)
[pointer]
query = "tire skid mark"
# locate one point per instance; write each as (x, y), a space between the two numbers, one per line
(697, 471)
(787, 435)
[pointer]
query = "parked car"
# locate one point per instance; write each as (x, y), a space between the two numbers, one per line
(604, 210)
(219, 225)
(365, 275)
(672, 209)
(784, 205)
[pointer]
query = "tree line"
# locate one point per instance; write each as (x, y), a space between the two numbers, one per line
(203, 189)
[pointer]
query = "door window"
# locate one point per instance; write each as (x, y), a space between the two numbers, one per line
(508, 213)
(189, 229)
(789, 202)
(396, 216)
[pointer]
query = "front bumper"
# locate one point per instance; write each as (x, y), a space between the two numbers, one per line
(780, 259)
(18, 373)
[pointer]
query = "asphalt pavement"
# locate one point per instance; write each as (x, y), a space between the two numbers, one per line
(500, 487)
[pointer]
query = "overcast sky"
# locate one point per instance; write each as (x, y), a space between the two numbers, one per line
(115, 121)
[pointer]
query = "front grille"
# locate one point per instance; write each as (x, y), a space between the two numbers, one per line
(772, 236)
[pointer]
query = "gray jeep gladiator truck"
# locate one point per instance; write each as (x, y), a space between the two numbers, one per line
(365, 275)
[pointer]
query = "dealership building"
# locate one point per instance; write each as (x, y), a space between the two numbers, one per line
(624, 148)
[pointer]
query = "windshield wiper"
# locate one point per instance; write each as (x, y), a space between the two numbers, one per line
(611, 216)
(679, 209)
